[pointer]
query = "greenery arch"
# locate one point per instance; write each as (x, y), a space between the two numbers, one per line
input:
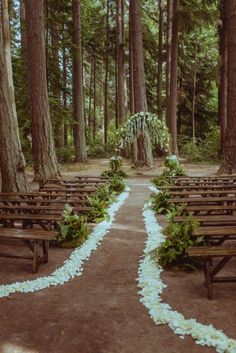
(149, 131)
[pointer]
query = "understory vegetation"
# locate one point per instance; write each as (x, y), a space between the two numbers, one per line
(74, 228)
(172, 169)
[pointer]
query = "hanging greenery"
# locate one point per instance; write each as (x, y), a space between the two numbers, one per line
(146, 124)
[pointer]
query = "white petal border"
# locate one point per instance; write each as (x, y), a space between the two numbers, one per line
(151, 285)
(73, 266)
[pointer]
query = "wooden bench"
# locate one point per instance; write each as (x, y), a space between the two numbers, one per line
(202, 193)
(209, 253)
(32, 238)
(194, 187)
(210, 219)
(79, 181)
(216, 235)
(209, 209)
(223, 200)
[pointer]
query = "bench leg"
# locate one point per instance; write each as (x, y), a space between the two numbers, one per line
(208, 277)
(35, 256)
(45, 251)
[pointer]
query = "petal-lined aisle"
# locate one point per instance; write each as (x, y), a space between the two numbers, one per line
(99, 312)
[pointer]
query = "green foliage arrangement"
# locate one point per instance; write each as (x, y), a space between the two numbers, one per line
(172, 168)
(116, 185)
(99, 210)
(178, 237)
(73, 229)
(160, 202)
(146, 123)
(103, 194)
(115, 164)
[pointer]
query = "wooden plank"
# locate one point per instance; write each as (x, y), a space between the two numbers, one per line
(30, 234)
(208, 219)
(216, 251)
(215, 231)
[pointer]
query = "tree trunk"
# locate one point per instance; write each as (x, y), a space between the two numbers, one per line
(94, 98)
(56, 81)
(120, 60)
(90, 95)
(12, 161)
(172, 99)
(140, 100)
(45, 162)
(159, 62)
(222, 101)
(65, 107)
(7, 49)
(106, 113)
(168, 56)
(194, 94)
(229, 160)
(131, 90)
(79, 127)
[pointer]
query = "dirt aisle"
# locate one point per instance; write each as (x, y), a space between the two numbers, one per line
(98, 312)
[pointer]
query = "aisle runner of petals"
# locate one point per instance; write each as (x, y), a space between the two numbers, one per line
(151, 285)
(73, 266)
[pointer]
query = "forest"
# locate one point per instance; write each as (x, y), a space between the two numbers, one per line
(90, 79)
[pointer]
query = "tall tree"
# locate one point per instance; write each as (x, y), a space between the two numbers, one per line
(222, 101)
(12, 161)
(106, 83)
(173, 90)
(229, 158)
(159, 61)
(168, 55)
(120, 60)
(44, 156)
(79, 126)
(140, 100)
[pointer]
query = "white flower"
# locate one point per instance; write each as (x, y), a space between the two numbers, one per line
(73, 266)
(151, 287)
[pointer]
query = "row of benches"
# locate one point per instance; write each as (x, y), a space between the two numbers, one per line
(211, 201)
(19, 212)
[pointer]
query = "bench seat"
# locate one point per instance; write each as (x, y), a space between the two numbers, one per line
(32, 238)
(208, 253)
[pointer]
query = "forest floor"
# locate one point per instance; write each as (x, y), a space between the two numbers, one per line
(100, 311)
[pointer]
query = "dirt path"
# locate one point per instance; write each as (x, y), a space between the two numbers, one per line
(98, 312)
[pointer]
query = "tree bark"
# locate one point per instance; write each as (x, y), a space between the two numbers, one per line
(44, 156)
(194, 94)
(79, 127)
(168, 56)
(94, 97)
(56, 78)
(159, 62)
(172, 98)
(65, 106)
(12, 161)
(229, 160)
(106, 112)
(140, 100)
(222, 100)
(120, 60)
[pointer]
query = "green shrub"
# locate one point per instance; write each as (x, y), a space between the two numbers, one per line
(178, 237)
(103, 194)
(116, 185)
(172, 168)
(115, 164)
(73, 229)
(160, 202)
(99, 210)
(203, 150)
(65, 154)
